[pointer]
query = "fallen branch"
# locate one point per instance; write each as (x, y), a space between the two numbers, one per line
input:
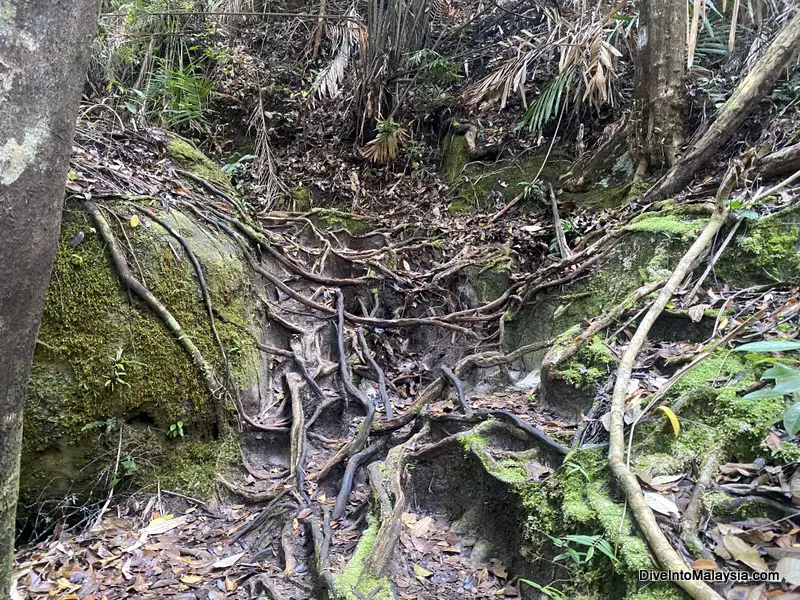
(731, 115)
(691, 516)
(561, 238)
(665, 554)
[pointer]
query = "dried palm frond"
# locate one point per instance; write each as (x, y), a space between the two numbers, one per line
(534, 51)
(266, 172)
(384, 147)
(348, 39)
(585, 71)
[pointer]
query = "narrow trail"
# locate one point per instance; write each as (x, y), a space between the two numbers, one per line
(370, 344)
(391, 427)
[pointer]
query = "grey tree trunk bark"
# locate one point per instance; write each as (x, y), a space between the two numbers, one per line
(731, 115)
(44, 53)
(656, 131)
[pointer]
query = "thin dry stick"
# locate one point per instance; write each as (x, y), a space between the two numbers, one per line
(560, 237)
(666, 555)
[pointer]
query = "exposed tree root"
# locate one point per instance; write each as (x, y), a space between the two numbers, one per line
(215, 388)
(387, 403)
(691, 516)
(666, 555)
(462, 397)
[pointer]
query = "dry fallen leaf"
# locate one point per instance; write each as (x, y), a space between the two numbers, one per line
(227, 562)
(661, 504)
(421, 571)
(744, 553)
(789, 568)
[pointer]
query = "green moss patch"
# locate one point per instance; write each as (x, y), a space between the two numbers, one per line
(769, 250)
(668, 225)
(190, 158)
(336, 219)
(354, 577)
(89, 321)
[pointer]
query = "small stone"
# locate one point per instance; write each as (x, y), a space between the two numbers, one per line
(481, 551)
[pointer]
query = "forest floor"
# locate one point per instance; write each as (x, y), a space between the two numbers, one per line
(163, 545)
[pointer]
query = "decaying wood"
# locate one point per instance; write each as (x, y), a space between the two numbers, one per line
(781, 52)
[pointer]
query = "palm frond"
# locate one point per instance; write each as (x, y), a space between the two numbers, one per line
(347, 42)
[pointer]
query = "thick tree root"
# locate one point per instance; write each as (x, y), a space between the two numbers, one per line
(666, 555)
(215, 388)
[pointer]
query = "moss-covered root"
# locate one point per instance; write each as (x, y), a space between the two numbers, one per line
(658, 542)
(366, 570)
(215, 388)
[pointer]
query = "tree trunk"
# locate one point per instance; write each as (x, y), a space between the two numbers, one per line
(736, 109)
(784, 161)
(657, 116)
(44, 52)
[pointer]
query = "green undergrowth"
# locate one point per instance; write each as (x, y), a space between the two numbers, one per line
(89, 321)
(668, 225)
(581, 498)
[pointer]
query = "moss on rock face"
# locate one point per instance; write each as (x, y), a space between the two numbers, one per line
(190, 158)
(712, 417)
(668, 225)
(336, 219)
(91, 325)
(590, 367)
(768, 250)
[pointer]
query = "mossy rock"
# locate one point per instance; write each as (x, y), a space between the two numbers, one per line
(186, 154)
(337, 220)
(766, 251)
(90, 323)
(570, 390)
(482, 184)
(638, 258)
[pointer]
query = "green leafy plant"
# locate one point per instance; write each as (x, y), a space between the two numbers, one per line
(571, 544)
(433, 66)
(175, 96)
(786, 378)
(546, 589)
(175, 430)
(239, 165)
(129, 467)
(533, 190)
(548, 103)
(119, 371)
